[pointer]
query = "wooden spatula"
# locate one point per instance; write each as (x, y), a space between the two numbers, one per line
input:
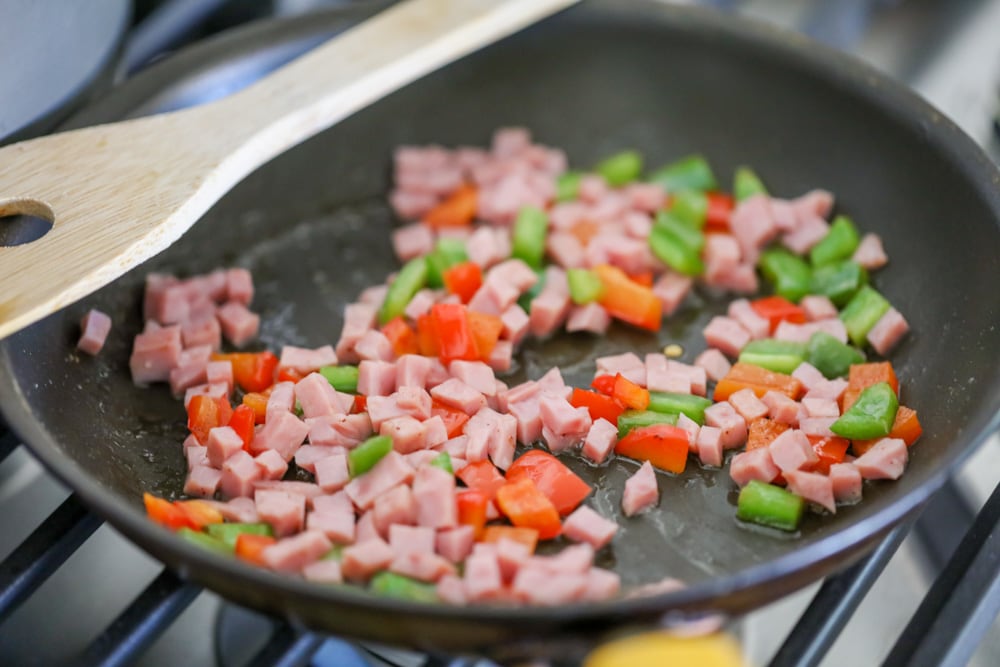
(118, 194)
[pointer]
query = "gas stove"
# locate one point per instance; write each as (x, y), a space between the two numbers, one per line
(73, 591)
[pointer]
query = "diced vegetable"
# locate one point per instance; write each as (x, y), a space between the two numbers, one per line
(905, 427)
(770, 505)
(527, 507)
(839, 281)
(862, 312)
(165, 513)
(453, 418)
(528, 238)
(689, 173)
(258, 403)
(471, 504)
(632, 419)
(363, 458)
(781, 356)
(395, 585)
(677, 245)
(463, 279)
(665, 446)
(720, 208)
(526, 536)
(839, 243)
(789, 274)
(252, 371)
(249, 547)
(762, 431)
(760, 380)
(482, 475)
(746, 184)
(205, 541)
(630, 394)
(485, 330)
(620, 168)
(559, 484)
(862, 376)
(242, 421)
(568, 185)
(454, 336)
(777, 309)
(831, 357)
(227, 533)
(628, 301)
(584, 286)
(871, 416)
(341, 378)
(690, 207)
(604, 384)
(402, 338)
(205, 413)
(411, 278)
(677, 404)
(199, 513)
(829, 450)
(598, 405)
(443, 461)
(447, 253)
(457, 210)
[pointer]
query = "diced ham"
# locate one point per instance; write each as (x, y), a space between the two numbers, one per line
(818, 307)
(671, 289)
(239, 325)
(364, 529)
(488, 246)
(412, 370)
(592, 318)
(870, 253)
(709, 443)
(358, 318)
(307, 490)
(814, 487)
(752, 223)
(421, 457)
(529, 419)
(154, 353)
(421, 566)
(475, 374)
(211, 390)
(691, 427)
(601, 585)
(501, 357)
(628, 364)
(241, 509)
(747, 404)
(374, 345)
(727, 335)
(222, 443)
(648, 197)
(781, 408)
(753, 465)
(406, 432)
(791, 450)
(887, 331)
(286, 512)
(363, 559)
(600, 440)
(455, 544)
(550, 308)
(291, 554)
(323, 572)
(821, 407)
(630, 255)
(220, 372)
(828, 389)
(846, 481)
(885, 460)
(714, 362)
(318, 399)
(819, 426)
(451, 590)
(515, 323)
(586, 525)
(412, 240)
(811, 230)
(203, 330)
(539, 587)
(722, 256)
(183, 377)
(563, 425)
(332, 472)
(304, 360)
(239, 473)
(391, 470)
(801, 333)
(733, 427)
(376, 378)
(202, 481)
(435, 432)
(283, 432)
(434, 493)
(334, 517)
(808, 375)
(196, 455)
(94, 329)
(641, 491)
(565, 250)
(239, 286)
(407, 539)
(457, 394)
(482, 577)
(757, 326)
(341, 430)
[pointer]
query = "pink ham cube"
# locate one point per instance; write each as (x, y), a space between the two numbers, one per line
(286, 512)
(714, 362)
(294, 553)
(709, 444)
(791, 450)
(746, 403)
(239, 473)
(641, 491)
(239, 325)
(727, 335)
(271, 465)
(586, 525)
(202, 481)
(753, 465)
(395, 506)
(732, 426)
(331, 472)
(363, 559)
(813, 487)
(94, 329)
(600, 440)
(885, 460)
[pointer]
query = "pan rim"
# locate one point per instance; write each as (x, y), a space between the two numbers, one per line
(840, 69)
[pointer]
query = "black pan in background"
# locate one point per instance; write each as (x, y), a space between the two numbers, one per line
(313, 226)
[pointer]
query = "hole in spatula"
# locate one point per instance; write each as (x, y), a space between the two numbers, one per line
(23, 221)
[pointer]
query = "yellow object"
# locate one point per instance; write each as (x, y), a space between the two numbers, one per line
(657, 649)
(673, 350)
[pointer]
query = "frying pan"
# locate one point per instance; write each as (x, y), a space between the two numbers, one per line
(313, 227)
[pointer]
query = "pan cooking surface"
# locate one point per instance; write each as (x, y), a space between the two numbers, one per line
(313, 227)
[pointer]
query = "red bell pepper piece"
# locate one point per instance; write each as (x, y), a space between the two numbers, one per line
(472, 508)
(663, 445)
(526, 536)
(598, 405)
(455, 339)
(486, 330)
(258, 403)
(482, 475)
(401, 336)
(205, 413)
(527, 507)
(559, 484)
(242, 422)
(360, 404)
(906, 427)
(453, 418)
(760, 380)
(249, 547)
(427, 336)
(643, 278)
(862, 376)
(630, 394)
(252, 371)
(457, 210)
(289, 375)
(720, 207)
(604, 384)
(830, 450)
(166, 513)
(762, 431)
(627, 300)
(775, 309)
(199, 513)
(463, 279)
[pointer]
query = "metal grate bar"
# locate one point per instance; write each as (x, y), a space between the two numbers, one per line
(141, 623)
(43, 552)
(287, 648)
(834, 604)
(941, 527)
(962, 602)
(8, 442)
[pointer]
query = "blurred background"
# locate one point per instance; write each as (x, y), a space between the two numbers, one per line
(59, 56)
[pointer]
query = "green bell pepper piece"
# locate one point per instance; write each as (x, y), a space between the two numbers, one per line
(862, 312)
(528, 238)
(620, 168)
(746, 184)
(788, 273)
(690, 207)
(631, 419)
(677, 404)
(443, 461)
(409, 280)
(839, 281)
(397, 586)
(838, 244)
(584, 286)
(228, 532)
(568, 185)
(770, 505)
(780, 356)
(689, 173)
(831, 357)
(525, 299)
(363, 458)
(677, 245)
(341, 378)
(205, 540)
(447, 253)
(871, 416)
